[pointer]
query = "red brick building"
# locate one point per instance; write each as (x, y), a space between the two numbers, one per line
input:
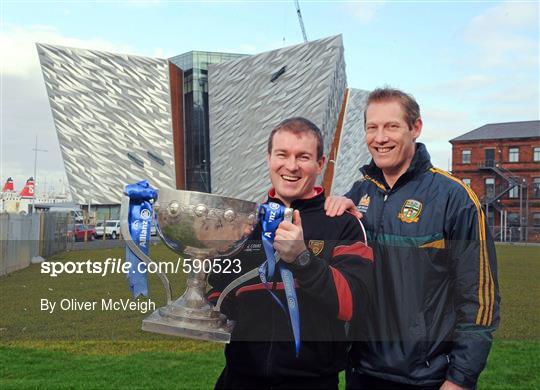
(501, 163)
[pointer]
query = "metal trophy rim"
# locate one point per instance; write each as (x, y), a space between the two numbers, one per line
(176, 195)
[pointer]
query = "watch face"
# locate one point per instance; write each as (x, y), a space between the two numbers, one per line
(303, 258)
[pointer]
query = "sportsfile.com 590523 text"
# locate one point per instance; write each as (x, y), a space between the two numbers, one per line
(114, 265)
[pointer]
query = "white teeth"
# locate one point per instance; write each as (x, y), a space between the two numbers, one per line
(290, 178)
(383, 150)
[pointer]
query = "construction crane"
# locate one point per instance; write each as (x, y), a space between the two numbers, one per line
(300, 19)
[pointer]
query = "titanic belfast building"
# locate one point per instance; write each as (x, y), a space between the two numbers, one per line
(197, 121)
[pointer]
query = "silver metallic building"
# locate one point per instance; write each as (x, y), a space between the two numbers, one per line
(122, 118)
(251, 95)
(113, 119)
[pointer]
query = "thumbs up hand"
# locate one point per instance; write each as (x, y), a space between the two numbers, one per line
(289, 239)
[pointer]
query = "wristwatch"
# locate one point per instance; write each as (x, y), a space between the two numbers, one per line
(303, 259)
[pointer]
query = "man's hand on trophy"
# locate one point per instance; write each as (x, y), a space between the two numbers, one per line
(289, 239)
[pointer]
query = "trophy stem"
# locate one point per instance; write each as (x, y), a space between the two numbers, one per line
(191, 315)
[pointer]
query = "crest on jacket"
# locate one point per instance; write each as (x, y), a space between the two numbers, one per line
(364, 203)
(316, 246)
(410, 211)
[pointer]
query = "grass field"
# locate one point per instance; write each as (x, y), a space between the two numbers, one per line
(107, 349)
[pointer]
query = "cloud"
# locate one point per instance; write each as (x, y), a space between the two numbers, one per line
(516, 93)
(444, 123)
(159, 52)
(509, 113)
(440, 126)
(365, 11)
(459, 86)
(506, 34)
(18, 44)
(23, 92)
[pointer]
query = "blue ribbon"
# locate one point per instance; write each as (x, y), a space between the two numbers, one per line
(271, 215)
(141, 198)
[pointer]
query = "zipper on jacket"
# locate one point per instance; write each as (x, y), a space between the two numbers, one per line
(386, 193)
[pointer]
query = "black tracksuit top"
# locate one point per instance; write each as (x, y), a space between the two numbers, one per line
(332, 289)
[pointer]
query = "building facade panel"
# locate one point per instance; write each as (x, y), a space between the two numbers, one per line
(250, 96)
(113, 120)
(353, 152)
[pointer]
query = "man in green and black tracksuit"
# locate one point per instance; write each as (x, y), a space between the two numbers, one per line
(436, 297)
(332, 269)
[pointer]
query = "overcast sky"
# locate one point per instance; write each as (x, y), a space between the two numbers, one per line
(468, 63)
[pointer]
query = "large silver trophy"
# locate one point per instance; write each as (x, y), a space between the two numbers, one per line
(198, 226)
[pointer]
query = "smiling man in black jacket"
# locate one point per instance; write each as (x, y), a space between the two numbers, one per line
(436, 293)
(332, 269)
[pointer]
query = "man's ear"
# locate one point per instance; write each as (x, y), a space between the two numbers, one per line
(417, 128)
(320, 164)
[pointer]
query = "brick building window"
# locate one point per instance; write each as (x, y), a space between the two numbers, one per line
(536, 153)
(513, 219)
(513, 154)
(536, 222)
(465, 156)
(514, 192)
(468, 181)
(536, 187)
(490, 186)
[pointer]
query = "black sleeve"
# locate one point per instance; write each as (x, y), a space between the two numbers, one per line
(344, 283)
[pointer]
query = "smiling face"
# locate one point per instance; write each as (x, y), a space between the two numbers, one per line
(389, 139)
(293, 165)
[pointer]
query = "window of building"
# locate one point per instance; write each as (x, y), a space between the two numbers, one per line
(514, 192)
(536, 222)
(513, 219)
(490, 186)
(513, 154)
(536, 187)
(536, 153)
(466, 181)
(465, 156)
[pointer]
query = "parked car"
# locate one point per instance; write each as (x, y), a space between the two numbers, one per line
(99, 229)
(78, 232)
(112, 229)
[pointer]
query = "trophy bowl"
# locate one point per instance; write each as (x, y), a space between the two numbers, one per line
(198, 226)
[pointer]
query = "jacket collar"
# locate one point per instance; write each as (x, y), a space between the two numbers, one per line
(420, 163)
(315, 202)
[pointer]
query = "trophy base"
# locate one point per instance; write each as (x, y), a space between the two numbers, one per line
(211, 328)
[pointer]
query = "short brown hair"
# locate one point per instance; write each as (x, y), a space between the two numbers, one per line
(298, 125)
(407, 102)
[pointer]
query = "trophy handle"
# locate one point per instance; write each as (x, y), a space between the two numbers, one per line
(251, 274)
(124, 229)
